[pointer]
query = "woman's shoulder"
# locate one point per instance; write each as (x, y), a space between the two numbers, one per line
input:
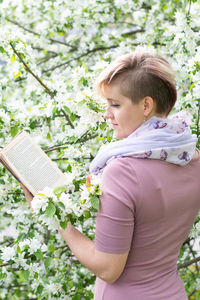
(119, 164)
(120, 179)
(126, 163)
(120, 170)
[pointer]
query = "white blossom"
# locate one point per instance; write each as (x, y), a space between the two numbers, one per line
(51, 223)
(8, 253)
(67, 201)
(39, 202)
(53, 288)
(34, 245)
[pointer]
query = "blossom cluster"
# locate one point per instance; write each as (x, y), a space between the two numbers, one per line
(55, 208)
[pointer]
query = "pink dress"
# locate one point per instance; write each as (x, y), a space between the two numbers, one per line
(147, 208)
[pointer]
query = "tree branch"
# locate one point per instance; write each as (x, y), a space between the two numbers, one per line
(116, 23)
(37, 34)
(45, 59)
(87, 138)
(188, 263)
(146, 6)
(29, 70)
(80, 56)
(132, 32)
(9, 242)
(21, 26)
(68, 118)
(66, 158)
(40, 81)
(64, 43)
(47, 236)
(189, 7)
(193, 292)
(42, 50)
(56, 147)
(17, 285)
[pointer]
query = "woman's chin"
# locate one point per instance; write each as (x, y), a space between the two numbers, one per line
(117, 135)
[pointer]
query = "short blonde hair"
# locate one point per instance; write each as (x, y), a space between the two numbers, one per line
(141, 74)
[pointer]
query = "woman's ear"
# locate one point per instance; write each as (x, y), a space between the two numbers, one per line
(148, 106)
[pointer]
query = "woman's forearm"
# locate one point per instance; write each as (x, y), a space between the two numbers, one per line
(106, 266)
(81, 246)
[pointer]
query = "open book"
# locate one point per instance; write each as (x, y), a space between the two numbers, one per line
(30, 165)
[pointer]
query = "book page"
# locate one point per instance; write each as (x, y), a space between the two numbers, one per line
(8, 168)
(31, 165)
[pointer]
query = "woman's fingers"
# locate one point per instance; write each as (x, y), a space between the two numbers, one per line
(28, 195)
(88, 181)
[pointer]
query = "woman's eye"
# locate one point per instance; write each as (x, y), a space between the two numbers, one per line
(114, 105)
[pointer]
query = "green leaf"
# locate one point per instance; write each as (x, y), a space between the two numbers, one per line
(49, 136)
(61, 205)
(85, 82)
(31, 234)
(63, 225)
(73, 117)
(39, 254)
(165, 7)
(47, 262)
(87, 214)
(25, 274)
(40, 194)
(70, 284)
(17, 293)
(2, 275)
(103, 125)
(16, 75)
(69, 169)
(59, 189)
(192, 85)
(40, 289)
(18, 249)
(12, 59)
(14, 130)
(50, 210)
(80, 103)
(51, 247)
(76, 297)
(67, 109)
(21, 237)
(2, 49)
(92, 106)
(95, 202)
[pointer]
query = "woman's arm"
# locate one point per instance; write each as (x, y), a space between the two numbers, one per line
(106, 266)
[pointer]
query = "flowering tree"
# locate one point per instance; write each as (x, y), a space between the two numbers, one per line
(51, 52)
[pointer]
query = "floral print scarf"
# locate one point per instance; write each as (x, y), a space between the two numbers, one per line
(167, 139)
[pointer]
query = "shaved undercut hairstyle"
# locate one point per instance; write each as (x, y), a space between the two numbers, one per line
(138, 75)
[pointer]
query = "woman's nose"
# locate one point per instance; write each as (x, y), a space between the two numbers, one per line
(108, 114)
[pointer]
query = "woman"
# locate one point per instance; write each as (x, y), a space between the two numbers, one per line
(150, 184)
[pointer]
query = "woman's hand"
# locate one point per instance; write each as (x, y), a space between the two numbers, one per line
(28, 195)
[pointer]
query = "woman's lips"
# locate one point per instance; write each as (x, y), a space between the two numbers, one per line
(114, 125)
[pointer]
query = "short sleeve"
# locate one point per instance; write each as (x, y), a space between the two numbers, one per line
(115, 219)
